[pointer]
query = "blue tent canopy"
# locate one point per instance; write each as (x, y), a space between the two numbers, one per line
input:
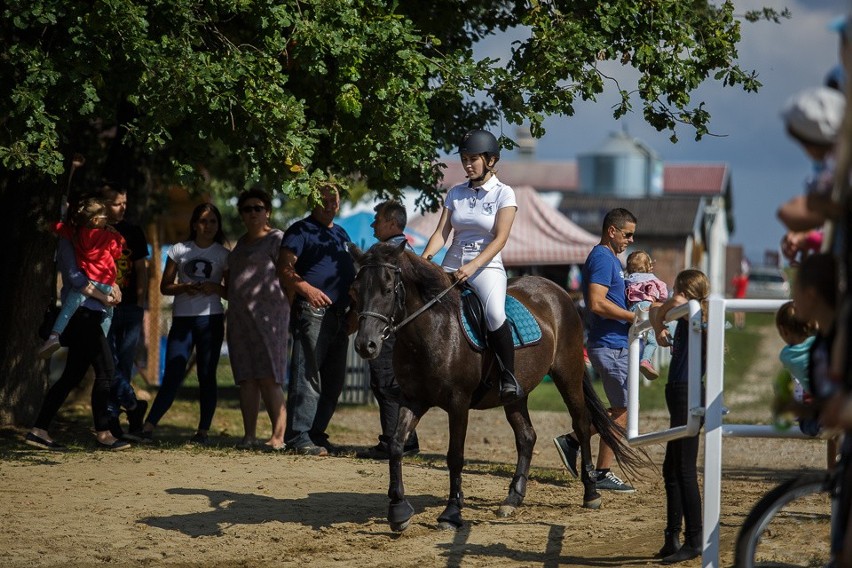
(359, 229)
(357, 225)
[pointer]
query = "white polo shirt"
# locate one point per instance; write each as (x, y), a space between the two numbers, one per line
(472, 215)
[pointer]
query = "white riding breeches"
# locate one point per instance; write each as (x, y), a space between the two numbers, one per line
(490, 286)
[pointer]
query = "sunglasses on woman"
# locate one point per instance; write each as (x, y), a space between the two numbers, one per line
(252, 208)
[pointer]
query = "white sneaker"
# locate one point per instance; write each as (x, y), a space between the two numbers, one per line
(49, 348)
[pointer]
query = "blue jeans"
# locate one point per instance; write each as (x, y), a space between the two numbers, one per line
(73, 300)
(317, 373)
(123, 336)
(205, 333)
(650, 340)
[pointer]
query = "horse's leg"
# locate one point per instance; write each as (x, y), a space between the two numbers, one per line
(518, 416)
(583, 430)
(571, 390)
(400, 510)
(451, 518)
(405, 424)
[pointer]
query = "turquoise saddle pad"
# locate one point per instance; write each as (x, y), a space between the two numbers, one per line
(525, 328)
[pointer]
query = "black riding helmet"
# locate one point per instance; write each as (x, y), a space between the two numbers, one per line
(480, 142)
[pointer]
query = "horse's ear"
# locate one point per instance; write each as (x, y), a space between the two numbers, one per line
(355, 252)
(400, 248)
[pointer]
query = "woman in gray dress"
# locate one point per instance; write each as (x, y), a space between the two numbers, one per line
(258, 319)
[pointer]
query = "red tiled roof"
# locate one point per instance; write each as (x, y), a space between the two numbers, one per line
(543, 176)
(693, 179)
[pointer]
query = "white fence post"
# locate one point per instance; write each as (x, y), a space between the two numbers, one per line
(713, 430)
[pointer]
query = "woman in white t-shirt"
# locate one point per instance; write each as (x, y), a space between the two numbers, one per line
(199, 266)
(480, 213)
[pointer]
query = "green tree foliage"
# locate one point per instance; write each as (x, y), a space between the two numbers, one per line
(221, 95)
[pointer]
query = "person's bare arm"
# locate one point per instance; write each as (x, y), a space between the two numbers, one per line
(168, 285)
(599, 305)
(658, 317)
(798, 216)
(439, 237)
(91, 291)
(292, 281)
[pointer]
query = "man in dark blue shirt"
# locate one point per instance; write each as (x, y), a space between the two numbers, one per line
(319, 271)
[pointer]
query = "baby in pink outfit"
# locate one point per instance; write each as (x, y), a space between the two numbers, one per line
(643, 290)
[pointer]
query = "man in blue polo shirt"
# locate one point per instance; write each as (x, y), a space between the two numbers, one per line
(608, 321)
(318, 269)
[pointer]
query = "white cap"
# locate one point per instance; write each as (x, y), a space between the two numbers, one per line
(815, 114)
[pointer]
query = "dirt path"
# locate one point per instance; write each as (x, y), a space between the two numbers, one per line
(221, 507)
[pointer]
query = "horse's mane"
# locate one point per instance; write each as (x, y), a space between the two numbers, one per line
(428, 278)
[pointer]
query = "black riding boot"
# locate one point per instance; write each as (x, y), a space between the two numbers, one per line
(691, 549)
(671, 544)
(500, 341)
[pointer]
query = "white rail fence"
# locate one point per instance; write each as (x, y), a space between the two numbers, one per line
(712, 411)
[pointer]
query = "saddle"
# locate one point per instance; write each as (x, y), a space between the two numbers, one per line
(525, 328)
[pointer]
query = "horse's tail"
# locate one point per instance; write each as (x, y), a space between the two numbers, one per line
(630, 459)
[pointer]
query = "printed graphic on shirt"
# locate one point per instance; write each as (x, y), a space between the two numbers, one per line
(123, 268)
(197, 269)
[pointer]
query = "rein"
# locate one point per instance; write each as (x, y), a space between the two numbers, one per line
(392, 328)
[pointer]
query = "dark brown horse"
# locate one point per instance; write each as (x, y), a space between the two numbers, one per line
(436, 366)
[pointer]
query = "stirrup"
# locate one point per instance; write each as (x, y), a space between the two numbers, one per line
(510, 388)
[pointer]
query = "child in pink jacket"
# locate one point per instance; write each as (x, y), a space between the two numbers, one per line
(643, 290)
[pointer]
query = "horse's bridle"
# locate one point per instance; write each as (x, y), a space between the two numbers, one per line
(399, 300)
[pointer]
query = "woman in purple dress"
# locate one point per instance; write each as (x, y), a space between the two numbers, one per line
(258, 319)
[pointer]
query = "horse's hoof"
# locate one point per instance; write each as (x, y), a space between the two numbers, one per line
(593, 503)
(399, 515)
(451, 518)
(506, 511)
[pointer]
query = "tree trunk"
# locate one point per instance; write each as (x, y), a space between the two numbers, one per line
(28, 206)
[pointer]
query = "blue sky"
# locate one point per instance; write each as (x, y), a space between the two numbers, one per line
(767, 167)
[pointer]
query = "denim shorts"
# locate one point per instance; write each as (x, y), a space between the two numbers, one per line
(611, 366)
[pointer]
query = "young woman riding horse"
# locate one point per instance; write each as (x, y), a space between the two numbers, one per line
(480, 213)
(435, 365)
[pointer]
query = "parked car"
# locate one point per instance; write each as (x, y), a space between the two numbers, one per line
(767, 282)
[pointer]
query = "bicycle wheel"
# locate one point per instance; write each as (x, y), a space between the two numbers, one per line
(789, 526)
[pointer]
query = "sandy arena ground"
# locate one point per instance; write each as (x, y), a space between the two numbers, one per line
(220, 507)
